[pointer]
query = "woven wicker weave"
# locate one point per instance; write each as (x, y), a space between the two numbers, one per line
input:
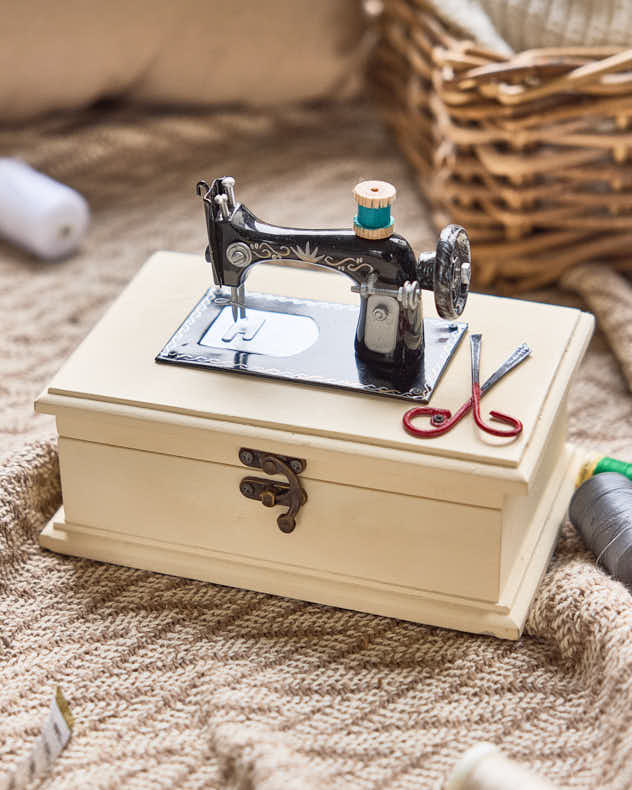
(531, 153)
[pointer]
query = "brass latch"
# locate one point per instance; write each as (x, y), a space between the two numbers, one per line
(272, 492)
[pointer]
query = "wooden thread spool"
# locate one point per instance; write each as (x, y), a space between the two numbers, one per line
(373, 204)
(601, 511)
(484, 767)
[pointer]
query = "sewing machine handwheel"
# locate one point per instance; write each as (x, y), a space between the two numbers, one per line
(452, 271)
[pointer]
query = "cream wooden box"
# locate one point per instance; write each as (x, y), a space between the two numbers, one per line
(454, 531)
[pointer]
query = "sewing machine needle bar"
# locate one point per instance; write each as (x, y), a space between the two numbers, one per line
(512, 361)
(237, 298)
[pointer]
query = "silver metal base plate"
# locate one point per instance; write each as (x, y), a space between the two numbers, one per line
(303, 341)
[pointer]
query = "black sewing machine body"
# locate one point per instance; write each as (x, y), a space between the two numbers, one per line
(392, 354)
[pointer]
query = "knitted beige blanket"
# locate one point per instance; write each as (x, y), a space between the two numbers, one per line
(178, 683)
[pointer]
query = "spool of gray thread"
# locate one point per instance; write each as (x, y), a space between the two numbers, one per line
(601, 511)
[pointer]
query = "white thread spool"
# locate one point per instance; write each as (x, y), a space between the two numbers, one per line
(484, 767)
(40, 214)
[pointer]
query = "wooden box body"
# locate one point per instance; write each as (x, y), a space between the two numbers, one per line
(454, 531)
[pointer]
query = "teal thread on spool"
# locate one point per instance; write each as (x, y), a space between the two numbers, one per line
(373, 217)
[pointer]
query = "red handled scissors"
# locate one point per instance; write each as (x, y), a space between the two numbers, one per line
(442, 420)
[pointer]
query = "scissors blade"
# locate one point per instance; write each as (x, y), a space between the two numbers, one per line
(475, 348)
(512, 361)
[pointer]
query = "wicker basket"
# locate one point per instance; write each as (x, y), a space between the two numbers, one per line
(531, 153)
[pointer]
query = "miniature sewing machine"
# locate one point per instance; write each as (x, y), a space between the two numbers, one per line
(384, 346)
(306, 437)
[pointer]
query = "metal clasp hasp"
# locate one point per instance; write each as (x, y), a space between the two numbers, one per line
(291, 495)
(442, 420)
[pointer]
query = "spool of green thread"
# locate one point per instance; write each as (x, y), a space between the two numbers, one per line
(597, 464)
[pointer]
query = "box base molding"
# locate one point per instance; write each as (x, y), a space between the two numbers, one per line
(504, 620)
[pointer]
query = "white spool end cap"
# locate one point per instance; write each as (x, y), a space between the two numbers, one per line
(374, 194)
(485, 767)
(458, 779)
(38, 213)
(373, 233)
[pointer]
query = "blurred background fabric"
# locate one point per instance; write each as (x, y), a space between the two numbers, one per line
(156, 51)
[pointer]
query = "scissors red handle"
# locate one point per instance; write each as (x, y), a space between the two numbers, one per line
(475, 400)
(442, 420)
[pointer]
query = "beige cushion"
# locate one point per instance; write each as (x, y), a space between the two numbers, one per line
(62, 55)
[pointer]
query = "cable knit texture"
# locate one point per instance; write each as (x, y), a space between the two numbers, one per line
(178, 683)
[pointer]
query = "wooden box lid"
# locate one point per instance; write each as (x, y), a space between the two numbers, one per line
(115, 364)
